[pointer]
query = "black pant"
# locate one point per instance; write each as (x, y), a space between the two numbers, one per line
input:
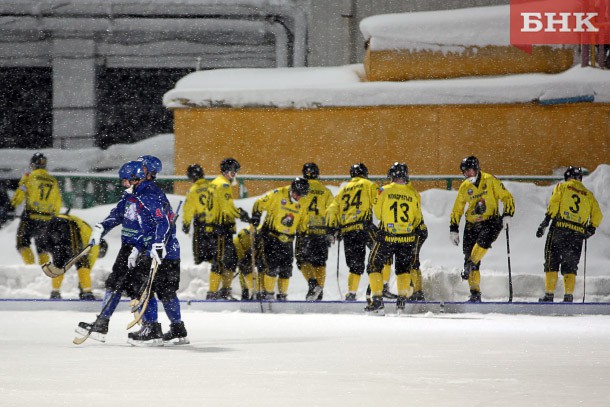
(203, 243)
(311, 249)
(562, 250)
(482, 233)
(122, 278)
(354, 245)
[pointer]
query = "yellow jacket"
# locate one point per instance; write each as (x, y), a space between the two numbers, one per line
(398, 208)
(243, 243)
(352, 207)
(196, 202)
(283, 213)
(573, 202)
(221, 209)
(80, 232)
(41, 194)
(482, 200)
(315, 204)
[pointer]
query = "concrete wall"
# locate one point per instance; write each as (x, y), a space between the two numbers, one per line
(525, 139)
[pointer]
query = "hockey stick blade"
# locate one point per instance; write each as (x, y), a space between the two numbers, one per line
(50, 270)
(80, 339)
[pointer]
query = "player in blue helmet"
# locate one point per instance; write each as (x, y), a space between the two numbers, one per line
(123, 276)
(152, 165)
(161, 245)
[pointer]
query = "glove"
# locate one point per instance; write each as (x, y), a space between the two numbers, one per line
(542, 227)
(158, 252)
(96, 234)
(243, 215)
(454, 237)
(255, 220)
(132, 260)
(186, 228)
(506, 221)
(589, 231)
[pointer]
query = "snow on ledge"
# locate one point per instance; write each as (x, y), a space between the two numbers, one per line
(342, 87)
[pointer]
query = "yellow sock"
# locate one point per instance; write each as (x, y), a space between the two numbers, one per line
(376, 281)
(477, 254)
(569, 282)
(416, 279)
(474, 280)
(320, 275)
(308, 271)
(214, 282)
(56, 282)
(227, 278)
(403, 283)
(270, 284)
(282, 285)
(43, 258)
(353, 281)
(27, 255)
(550, 281)
(84, 279)
(386, 271)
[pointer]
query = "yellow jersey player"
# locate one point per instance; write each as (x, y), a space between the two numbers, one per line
(67, 236)
(351, 214)
(275, 248)
(195, 211)
(221, 217)
(398, 208)
(481, 193)
(313, 239)
(574, 214)
(42, 197)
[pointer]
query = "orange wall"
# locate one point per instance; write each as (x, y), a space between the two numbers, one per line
(402, 65)
(526, 139)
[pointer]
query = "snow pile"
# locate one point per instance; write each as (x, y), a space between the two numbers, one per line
(441, 262)
(15, 162)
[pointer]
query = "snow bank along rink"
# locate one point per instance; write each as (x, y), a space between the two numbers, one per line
(239, 359)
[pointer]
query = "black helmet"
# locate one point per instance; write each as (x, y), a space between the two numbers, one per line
(359, 170)
(311, 171)
(194, 172)
(573, 172)
(300, 186)
(399, 171)
(38, 161)
(470, 162)
(229, 164)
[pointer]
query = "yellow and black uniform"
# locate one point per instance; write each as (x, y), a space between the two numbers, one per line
(221, 215)
(483, 222)
(283, 215)
(195, 210)
(42, 197)
(575, 215)
(398, 208)
(351, 214)
(311, 246)
(243, 247)
(67, 236)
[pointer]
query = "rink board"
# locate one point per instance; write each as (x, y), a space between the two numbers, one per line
(327, 307)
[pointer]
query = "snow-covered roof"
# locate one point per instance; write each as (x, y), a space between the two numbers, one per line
(342, 87)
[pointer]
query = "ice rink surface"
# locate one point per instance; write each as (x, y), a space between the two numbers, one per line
(253, 359)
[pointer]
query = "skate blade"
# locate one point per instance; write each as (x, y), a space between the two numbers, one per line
(177, 342)
(145, 344)
(94, 335)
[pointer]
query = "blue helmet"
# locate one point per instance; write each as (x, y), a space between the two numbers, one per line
(132, 170)
(152, 163)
